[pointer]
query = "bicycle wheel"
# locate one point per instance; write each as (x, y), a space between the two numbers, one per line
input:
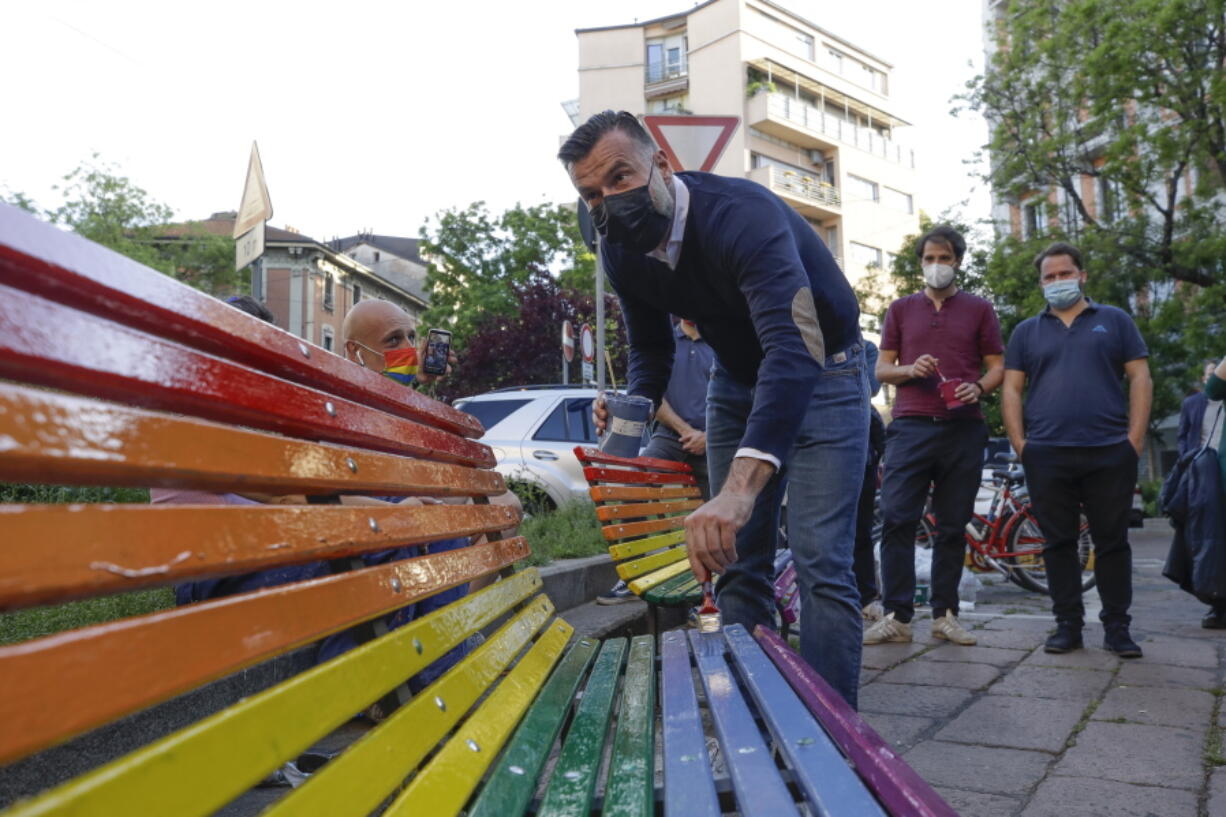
(1025, 555)
(925, 533)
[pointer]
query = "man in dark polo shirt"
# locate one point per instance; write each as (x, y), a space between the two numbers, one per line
(937, 334)
(1079, 439)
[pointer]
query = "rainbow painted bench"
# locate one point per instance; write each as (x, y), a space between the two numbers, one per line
(113, 374)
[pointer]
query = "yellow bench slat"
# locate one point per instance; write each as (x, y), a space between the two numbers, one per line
(639, 546)
(203, 767)
(629, 570)
(446, 783)
(644, 583)
(360, 779)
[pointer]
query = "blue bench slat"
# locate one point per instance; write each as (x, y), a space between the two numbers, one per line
(689, 790)
(760, 791)
(829, 783)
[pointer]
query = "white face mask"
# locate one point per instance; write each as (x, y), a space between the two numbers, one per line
(938, 276)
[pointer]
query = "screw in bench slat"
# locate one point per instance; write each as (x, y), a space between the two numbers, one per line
(331, 409)
(306, 350)
(472, 744)
(352, 463)
(417, 645)
(440, 703)
(397, 587)
(374, 525)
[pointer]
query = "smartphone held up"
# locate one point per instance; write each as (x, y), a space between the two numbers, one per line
(438, 349)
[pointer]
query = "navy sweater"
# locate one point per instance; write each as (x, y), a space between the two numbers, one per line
(765, 292)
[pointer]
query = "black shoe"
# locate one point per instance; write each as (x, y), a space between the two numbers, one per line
(1066, 638)
(1214, 620)
(1117, 640)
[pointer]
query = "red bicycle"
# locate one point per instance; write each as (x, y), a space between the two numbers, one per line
(1008, 539)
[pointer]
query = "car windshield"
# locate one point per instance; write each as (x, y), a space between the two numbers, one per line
(492, 412)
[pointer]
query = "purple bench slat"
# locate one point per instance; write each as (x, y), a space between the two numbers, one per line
(689, 790)
(899, 787)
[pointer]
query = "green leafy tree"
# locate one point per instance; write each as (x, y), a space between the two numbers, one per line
(477, 259)
(1112, 116)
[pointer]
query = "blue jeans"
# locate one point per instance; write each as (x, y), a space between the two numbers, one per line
(822, 476)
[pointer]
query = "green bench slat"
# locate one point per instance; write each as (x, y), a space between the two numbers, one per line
(514, 780)
(629, 791)
(679, 591)
(574, 777)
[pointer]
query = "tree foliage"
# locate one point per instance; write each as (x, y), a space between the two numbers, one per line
(524, 348)
(1112, 115)
(478, 260)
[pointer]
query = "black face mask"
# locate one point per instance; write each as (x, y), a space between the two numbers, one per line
(631, 219)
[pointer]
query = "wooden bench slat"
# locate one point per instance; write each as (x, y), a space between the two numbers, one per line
(100, 443)
(42, 259)
(623, 530)
(898, 787)
(689, 789)
(638, 510)
(449, 779)
(831, 786)
(625, 493)
(102, 549)
(573, 780)
(508, 793)
(668, 575)
(360, 779)
(637, 567)
(63, 684)
(629, 791)
(199, 769)
(619, 475)
(683, 590)
(760, 791)
(587, 454)
(190, 382)
(624, 550)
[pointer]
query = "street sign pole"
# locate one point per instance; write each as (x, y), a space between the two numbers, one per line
(599, 315)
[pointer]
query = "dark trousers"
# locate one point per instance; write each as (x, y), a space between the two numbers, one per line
(1097, 480)
(666, 445)
(948, 456)
(863, 562)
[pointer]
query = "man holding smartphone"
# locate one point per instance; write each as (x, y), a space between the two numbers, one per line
(789, 391)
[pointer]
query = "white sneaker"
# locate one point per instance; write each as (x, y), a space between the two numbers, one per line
(948, 628)
(873, 611)
(886, 630)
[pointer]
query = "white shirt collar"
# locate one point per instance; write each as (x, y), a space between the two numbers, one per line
(671, 254)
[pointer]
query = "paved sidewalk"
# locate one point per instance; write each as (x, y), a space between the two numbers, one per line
(1004, 730)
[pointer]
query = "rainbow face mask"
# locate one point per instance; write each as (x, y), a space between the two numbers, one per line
(401, 365)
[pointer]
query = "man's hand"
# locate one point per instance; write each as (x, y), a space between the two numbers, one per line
(422, 376)
(924, 366)
(694, 442)
(711, 532)
(1138, 445)
(967, 392)
(600, 415)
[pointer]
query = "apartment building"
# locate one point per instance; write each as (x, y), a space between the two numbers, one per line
(817, 121)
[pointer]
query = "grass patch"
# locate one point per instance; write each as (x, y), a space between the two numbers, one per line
(1213, 737)
(567, 533)
(62, 494)
(36, 622)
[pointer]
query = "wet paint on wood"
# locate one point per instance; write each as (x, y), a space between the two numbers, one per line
(629, 790)
(689, 787)
(587, 454)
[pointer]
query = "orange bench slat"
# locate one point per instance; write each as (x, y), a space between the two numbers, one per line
(632, 493)
(636, 510)
(619, 531)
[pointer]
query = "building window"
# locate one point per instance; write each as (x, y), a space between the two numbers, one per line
(1032, 219)
(804, 46)
(862, 189)
(669, 104)
(835, 59)
(357, 293)
(666, 58)
(864, 255)
(898, 200)
(327, 337)
(376, 256)
(329, 292)
(832, 240)
(1108, 200)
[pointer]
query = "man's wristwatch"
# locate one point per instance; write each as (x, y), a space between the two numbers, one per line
(982, 390)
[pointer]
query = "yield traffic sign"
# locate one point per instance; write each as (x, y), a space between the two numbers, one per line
(691, 142)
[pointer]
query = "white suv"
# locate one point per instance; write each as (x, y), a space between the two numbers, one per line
(533, 431)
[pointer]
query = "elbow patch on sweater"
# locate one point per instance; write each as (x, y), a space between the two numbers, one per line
(804, 315)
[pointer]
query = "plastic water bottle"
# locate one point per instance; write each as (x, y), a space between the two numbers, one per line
(968, 588)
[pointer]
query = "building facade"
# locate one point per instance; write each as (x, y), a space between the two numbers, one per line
(817, 122)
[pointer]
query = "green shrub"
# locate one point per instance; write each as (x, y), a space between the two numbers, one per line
(567, 533)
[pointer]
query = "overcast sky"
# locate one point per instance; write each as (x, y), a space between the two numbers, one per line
(373, 115)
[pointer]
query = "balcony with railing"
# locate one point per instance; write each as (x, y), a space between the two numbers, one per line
(811, 196)
(789, 118)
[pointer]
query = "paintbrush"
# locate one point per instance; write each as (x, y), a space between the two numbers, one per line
(709, 620)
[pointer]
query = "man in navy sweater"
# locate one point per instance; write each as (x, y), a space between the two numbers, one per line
(787, 404)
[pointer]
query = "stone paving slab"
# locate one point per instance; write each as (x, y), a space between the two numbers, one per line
(900, 731)
(1146, 673)
(977, 768)
(867, 676)
(1030, 625)
(974, 655)
(907, 699)
(1217, 792)
(1015, 723)
(947, 674)
(1081, 685)
(1090, 657)
(1136, 753)
(884, 656)
(978, 804)
(1189, 708)
(1181, 652)
(1085, 797)
(1010, 639)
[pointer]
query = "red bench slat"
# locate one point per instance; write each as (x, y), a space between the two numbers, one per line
(587, 454)
(593, 474)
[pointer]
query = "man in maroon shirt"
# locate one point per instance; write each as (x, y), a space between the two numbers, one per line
(938, 334)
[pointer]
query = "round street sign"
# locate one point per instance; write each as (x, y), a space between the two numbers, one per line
(568, 341)
(587, 341)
